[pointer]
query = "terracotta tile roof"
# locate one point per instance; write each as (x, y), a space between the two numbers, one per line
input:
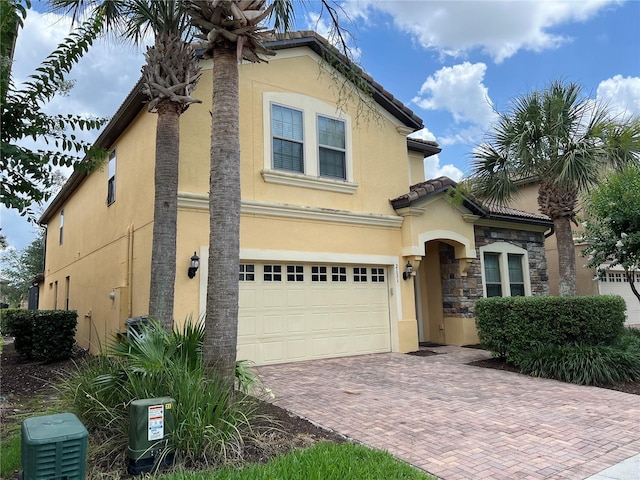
(434, 186)
(422, 190)
(424, 146)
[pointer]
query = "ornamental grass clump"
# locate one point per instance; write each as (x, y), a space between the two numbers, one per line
(212, 421)
(583, 364)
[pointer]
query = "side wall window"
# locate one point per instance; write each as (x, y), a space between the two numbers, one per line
(505, 270)
(67, 291)
(111, 183)
(61, 226)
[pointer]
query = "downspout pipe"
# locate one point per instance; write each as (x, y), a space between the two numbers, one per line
(551, 231)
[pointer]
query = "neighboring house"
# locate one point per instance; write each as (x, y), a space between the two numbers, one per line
(587, 282)
(324, 252)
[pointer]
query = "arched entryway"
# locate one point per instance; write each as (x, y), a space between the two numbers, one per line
(439, 281)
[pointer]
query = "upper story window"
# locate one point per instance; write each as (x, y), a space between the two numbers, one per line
(61, 226)
(505, 270)
(287, 129)
(307, 143)
(332, 147)
(111, 183)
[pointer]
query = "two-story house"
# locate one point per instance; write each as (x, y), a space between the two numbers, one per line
(345, 248)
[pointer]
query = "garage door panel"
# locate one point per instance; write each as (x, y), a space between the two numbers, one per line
(247, 326)
(296, 298)
(274, 324)
(339, 321)
(302, 319)
(273, 351)
(247, 299)
(296, 323)
(615, 283)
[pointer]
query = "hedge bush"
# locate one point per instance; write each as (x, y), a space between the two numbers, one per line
(46, 335)
(511, 327)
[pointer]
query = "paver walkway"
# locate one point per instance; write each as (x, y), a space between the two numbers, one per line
(462, 422)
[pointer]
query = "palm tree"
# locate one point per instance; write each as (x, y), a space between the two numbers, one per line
(231, 31)
(563, 140)
(170, 75)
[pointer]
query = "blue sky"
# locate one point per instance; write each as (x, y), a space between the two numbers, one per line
(452, 62)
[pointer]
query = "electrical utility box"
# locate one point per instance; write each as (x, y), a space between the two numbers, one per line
(54, 447)
(151, 422)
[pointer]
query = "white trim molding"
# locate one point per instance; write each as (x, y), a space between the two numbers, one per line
(200, 201)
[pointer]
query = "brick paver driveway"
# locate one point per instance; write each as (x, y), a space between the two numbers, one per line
(462, 422)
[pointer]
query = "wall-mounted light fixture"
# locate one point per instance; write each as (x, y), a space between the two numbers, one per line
(408, 269)
(193, 267)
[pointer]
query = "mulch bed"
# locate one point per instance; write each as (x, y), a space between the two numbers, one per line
(423, 352)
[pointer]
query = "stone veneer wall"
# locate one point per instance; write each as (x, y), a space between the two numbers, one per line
(459, 294)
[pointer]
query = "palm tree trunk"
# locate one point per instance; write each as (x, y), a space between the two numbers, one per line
(165, 214)
(566, 256)
(221, 327)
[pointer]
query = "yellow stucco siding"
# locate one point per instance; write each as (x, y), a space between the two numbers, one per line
(434, 219)
(416, 167)
(377, 169)
(106, 249)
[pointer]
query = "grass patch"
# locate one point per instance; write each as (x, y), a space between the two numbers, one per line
(323, 461)
(10, 456)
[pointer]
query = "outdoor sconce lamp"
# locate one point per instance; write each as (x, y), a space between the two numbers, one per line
(193, 267)
(408, 269)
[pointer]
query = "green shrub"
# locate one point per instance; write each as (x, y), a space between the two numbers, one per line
(513, 326)
(630, 340)
(584, 365)
(46, 335)
(212, 420)
(19, 323)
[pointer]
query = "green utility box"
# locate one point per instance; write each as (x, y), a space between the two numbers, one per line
(151, 422)
(54, 447)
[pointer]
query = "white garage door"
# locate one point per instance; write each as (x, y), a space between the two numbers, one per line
(293, 312)
(615, 283)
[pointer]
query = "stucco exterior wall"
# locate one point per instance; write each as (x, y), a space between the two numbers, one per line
(378, 152)
(108, 252)
(106, 249)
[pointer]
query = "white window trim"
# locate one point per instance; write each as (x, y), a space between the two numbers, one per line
(310, 108)
(503, 249)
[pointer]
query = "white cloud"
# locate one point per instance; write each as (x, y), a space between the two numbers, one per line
(498, 28)
(459, 90)
(424, 134)
(620, 94)
(433, 169)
